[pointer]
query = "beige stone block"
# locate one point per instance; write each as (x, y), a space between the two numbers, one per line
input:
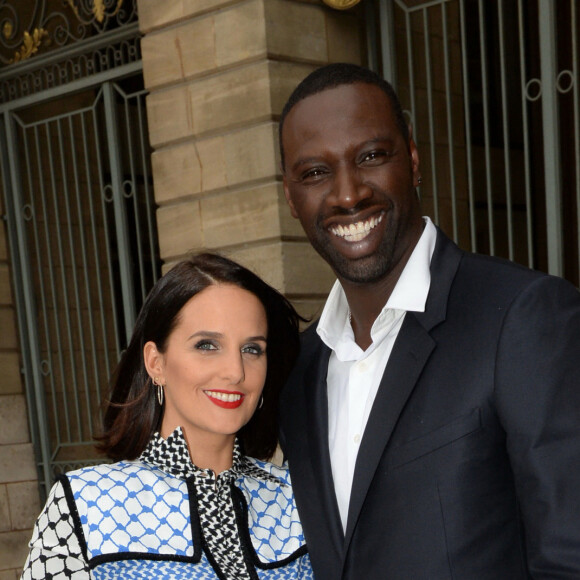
(240, 33)
(231, 99)
(284, 76)
(296, 30)
(154, 14)
(291, 267)
(251, 154)
(210, 154)
(5, 523)
(343, 37)
(174, 54)
(5, 285)
(24, 504)
(14, 549)
(305, 272)
(17, 463)
(242, 216)
(265, 260)
(13, 420)
(176, 172)
(169, 115)
(189, 168)
(179, 228)
(11, 382)
(8, 337)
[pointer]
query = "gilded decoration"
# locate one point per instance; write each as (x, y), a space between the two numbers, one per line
(31, 27)
(30, 44)
(341, 4)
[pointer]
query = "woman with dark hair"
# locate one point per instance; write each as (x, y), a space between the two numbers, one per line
(191, 423)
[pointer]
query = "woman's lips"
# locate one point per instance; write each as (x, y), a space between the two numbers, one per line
(225, 399)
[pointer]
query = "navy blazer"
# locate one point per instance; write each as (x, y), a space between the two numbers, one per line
(469, 467)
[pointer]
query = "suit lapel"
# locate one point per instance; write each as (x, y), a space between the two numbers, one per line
(411, 351)
(317, 414)
(409, 355)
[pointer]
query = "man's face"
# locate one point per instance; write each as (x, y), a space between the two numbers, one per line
(350, 179)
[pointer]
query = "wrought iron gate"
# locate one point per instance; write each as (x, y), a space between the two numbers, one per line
(492, 91)
(75, 165)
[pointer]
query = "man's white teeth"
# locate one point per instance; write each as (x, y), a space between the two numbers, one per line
(358, 231)
(227, 397)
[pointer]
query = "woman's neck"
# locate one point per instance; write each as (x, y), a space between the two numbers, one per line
(208, 450)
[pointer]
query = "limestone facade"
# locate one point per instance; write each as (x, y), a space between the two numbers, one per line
(218, 74)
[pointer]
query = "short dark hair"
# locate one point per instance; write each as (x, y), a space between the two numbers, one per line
(334, 75)
(132, 414)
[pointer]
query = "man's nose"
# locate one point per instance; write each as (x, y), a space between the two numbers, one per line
(348, 188)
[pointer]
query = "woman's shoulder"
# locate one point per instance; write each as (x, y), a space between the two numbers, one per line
(133, 476)
(280, 472)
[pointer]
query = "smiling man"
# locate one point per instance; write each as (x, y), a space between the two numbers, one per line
(432, 423)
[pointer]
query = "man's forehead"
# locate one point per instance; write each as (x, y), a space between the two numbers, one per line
(330, 106)
(358, 94)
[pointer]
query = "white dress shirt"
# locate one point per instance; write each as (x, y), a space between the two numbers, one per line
(354, 375)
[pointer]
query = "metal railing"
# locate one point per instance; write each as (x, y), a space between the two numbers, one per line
(491, 89)
(80, 218)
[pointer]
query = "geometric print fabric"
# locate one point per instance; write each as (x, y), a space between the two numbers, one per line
(132, 513)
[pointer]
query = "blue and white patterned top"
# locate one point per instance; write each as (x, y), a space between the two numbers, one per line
(162, 517)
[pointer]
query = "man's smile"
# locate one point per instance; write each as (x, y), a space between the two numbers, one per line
(357, 231)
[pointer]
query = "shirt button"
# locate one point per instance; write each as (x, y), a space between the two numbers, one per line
(362, 366)
(356, 438)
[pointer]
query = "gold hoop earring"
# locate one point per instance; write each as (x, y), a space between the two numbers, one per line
(160, 393)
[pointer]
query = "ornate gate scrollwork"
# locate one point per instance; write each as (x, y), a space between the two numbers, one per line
(49, 24)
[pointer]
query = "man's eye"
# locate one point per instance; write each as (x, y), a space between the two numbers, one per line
(206, 345)
(373, 156)
(314, 173)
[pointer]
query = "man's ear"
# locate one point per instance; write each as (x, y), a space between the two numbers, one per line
(154, 362)
(414, 158)
(288, 198)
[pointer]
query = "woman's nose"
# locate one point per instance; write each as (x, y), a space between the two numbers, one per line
(233, 368)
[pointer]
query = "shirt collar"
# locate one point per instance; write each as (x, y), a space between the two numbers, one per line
(409, 295)
(172, 456)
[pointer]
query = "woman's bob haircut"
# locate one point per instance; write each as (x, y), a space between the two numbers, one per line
(132, 413)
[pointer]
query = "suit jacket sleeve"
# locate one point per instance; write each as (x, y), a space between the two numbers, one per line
(538, 401)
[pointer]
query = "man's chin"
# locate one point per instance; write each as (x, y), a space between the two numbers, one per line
(361, 271)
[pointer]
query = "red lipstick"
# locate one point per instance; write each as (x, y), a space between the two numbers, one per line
(225, 399)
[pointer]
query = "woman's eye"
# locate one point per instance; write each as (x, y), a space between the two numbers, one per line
(206, 345)
(255, 349)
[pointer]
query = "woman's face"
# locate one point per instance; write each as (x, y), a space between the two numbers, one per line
(214, 365)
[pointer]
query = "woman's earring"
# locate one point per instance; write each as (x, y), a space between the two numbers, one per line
(419, 180)
(261, 404)
(159, 386)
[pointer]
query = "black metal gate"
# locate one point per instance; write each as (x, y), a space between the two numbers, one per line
(77, 183)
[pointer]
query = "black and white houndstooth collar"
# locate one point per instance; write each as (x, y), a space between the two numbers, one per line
(172, 456)
(212, 500)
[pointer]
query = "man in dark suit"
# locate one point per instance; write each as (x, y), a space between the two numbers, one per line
(432, 423)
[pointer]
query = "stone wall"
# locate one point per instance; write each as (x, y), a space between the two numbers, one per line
(218, 74)
(19, 498)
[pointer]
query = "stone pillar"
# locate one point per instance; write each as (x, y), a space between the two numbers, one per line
(19, 503)
(219, 73)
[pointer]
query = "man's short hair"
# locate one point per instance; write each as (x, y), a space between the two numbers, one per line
(334, 75)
